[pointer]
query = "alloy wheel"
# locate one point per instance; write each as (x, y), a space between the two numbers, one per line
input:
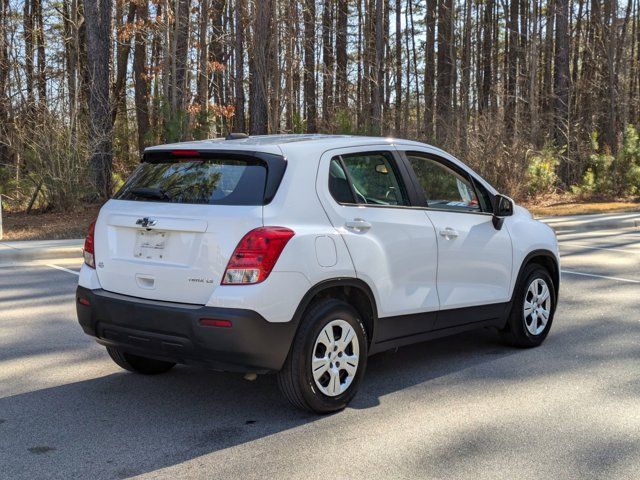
(537, 306)
(335, 358)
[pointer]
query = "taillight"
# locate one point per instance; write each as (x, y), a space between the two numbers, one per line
(89, 246)
(256, 254)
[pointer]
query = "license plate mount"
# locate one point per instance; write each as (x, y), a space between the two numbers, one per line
(150, 245)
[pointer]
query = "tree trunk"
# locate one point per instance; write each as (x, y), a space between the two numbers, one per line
(310, 65)
(341, 53)
(546, 97)
(259, 105)
(182, 27)
(202, 82)
(216, 51)
(398, 54)
(140, 75)
(122, 61)
(512, 71)
(561, 73)
(430, 69)
(465, 65)
(377, 93)
(610, 39)
(238, 119)
(42, 61)
(98, 24)
(327, 61)
(445, 71)
(487, 46)
(4, 82)
(70, 28)
(273, 67)
(290, 65)
(414, 54)
(29, 48)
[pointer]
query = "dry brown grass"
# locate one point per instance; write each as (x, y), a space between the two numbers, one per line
(579, 208)
(49, 225)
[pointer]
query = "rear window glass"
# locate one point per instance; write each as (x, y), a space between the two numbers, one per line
(211, 182)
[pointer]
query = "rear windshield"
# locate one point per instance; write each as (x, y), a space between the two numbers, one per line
(211, 182)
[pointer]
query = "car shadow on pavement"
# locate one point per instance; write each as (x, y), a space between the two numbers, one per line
(124, 424)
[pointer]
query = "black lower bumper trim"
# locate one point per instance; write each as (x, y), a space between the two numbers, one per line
(172, 332)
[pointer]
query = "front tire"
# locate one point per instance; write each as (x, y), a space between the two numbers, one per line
(137, 364)
(327, 359)
(532, 309)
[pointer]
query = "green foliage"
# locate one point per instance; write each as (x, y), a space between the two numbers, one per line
(117, 180)
(607, 175)
(597, 177)
(343, 121)
(205, 120)
(627, 163)
(541, 174)
(174, 123)
(299, 124)
(7, 182)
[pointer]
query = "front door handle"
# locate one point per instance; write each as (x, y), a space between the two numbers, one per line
(448, 233)
(358, 225)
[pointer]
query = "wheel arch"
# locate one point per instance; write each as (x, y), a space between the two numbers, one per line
(352, 290)
(546, 259)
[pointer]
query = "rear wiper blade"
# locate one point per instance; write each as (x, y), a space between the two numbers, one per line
(150, 193)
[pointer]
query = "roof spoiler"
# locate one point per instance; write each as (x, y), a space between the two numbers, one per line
(236, 136)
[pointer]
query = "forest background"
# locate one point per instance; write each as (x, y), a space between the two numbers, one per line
(541, 97)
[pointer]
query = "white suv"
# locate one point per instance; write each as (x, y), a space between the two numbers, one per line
(304, 254)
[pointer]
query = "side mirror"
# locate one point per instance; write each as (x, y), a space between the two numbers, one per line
(502, 207)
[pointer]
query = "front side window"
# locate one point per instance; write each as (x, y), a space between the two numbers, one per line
(370, 178)
(443, 187)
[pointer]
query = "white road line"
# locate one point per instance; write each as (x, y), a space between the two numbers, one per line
(618, 279)
(57, 267)
(597, 248)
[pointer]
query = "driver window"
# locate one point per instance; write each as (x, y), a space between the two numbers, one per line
(373, 179)
(444, 188)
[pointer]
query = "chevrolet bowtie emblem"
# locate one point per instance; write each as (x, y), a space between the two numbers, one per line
(146, 222)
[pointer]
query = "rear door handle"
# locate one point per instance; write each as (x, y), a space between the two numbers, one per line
(448, 233)
(358, 225)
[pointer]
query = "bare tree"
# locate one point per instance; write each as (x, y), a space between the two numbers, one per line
(259, 112)
(239, 123)
(310, 65)
(98, 21)
(141, 75)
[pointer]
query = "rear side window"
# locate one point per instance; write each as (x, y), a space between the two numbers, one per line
(369, 177)
(210, 182)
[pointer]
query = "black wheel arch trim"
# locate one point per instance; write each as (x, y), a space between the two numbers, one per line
(555, 276)
(332, 283)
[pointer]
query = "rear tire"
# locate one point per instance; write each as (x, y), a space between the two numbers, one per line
(137, 364)
(327, 359)
(532, 309)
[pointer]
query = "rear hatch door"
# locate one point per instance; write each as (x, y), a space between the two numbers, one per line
(170, 231)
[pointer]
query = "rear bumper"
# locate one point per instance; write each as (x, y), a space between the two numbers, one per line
(172, 332)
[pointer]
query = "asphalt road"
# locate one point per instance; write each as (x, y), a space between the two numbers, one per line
(462, 407)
